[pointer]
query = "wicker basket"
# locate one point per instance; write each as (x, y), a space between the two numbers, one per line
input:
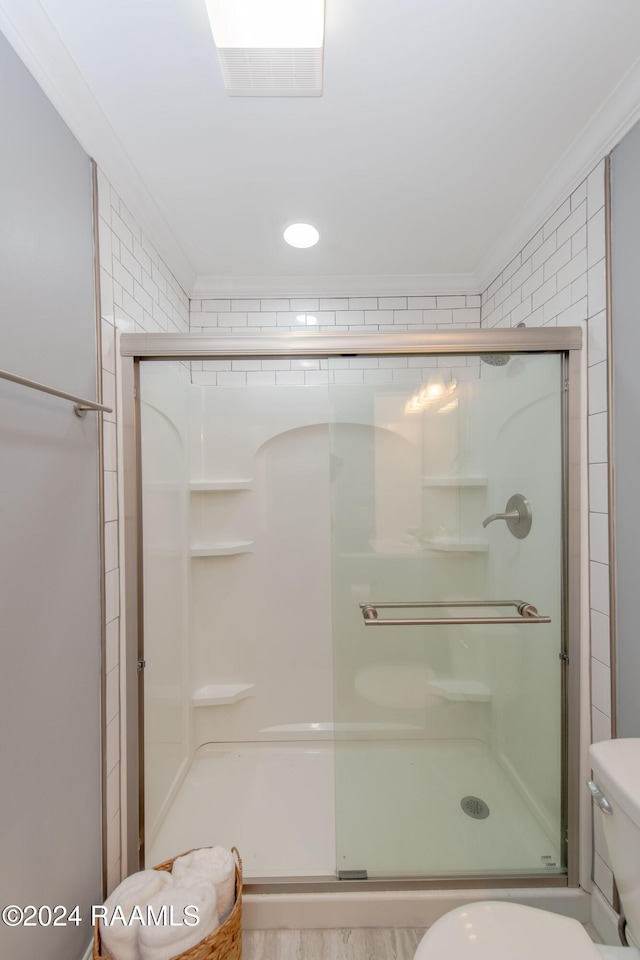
(223, 943)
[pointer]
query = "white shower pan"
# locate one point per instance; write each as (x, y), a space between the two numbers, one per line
(259, 797)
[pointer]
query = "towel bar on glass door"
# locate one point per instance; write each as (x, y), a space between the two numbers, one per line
(80, 405)
(527, 613)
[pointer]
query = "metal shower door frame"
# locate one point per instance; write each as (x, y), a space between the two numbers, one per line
(566, 341)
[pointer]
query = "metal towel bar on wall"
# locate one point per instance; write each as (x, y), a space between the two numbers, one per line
(527, 613)
(80, 405)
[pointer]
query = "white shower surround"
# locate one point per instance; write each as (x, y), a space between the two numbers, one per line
(141, 319)
(230, 426)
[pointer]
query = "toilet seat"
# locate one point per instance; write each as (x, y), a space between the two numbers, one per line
(491, 930)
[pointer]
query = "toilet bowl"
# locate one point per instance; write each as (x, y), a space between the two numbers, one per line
(493, 930)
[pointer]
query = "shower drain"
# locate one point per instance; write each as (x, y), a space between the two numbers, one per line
(475, 807)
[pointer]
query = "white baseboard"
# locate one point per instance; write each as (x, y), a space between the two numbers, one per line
(416, 908)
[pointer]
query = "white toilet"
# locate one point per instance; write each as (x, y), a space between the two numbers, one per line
(491, 930)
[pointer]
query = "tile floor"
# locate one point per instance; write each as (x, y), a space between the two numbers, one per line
(365, 944)
(360, 944)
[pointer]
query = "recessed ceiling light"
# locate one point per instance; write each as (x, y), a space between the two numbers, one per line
(301, 235)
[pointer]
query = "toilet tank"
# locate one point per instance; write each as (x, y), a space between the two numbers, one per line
(616, 772)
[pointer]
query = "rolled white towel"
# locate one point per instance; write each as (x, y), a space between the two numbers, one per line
(120, 938)
(179, 932)
(215, 864)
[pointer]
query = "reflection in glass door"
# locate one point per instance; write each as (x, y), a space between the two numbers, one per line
(448, 748)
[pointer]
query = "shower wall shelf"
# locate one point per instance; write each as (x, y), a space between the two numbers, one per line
(377, 554)
(226, 549)
(452, 545)
(454, 481)
(221, 694)
(219, 486)
(470, 690)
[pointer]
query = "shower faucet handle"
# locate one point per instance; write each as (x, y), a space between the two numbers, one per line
(517, 514)
(511, 515)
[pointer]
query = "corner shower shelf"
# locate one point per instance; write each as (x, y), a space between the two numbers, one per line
(379, 555)
(470, 690)
(454, 481)
(452, 545)
(219, 486)
(220, 694)
(226, 549)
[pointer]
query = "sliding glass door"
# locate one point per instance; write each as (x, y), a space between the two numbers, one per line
(447, 520)
(359, 588)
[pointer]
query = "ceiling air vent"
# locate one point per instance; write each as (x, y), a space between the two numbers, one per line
(272, 72)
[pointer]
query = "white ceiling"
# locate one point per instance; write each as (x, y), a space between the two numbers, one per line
(439, 121)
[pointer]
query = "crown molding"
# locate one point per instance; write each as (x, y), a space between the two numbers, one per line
(615, 117)
(36, 41)
(347, 286)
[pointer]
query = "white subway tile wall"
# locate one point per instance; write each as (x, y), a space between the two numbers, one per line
(355, 314)
(559, 279)
(138, 294)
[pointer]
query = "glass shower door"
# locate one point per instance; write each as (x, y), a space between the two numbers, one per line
(447, 488)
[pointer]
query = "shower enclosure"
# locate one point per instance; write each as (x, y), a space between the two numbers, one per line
(357, 604)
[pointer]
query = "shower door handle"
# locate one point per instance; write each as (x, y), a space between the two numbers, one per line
(527, 613)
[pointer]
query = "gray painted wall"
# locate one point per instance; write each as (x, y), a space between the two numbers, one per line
(625, 225)
(50, 819)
